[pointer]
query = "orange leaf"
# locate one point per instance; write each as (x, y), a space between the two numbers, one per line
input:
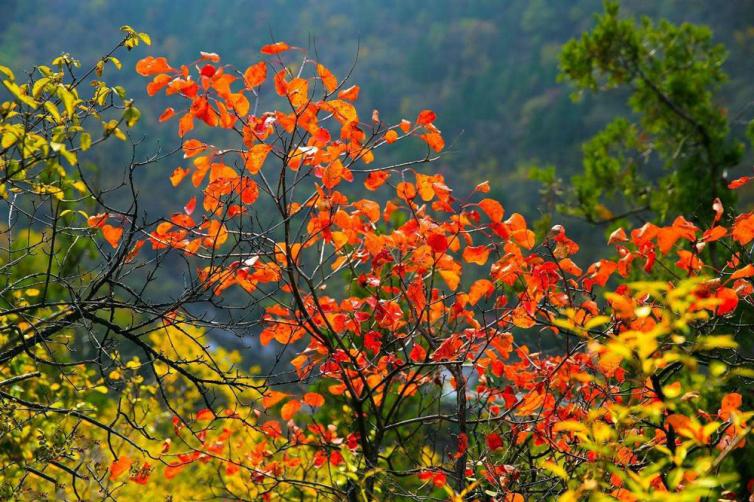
(314, 399)
(256, 156)
(480, 288)
(350, 94)
(192, 148)
(405, 190)
(570, 267)
(714, 234)
(451, 278)
(391, 136)
(328, 79)
(434, 140)
(172, 470)
(178, 174)
(289, 409)
(618, 235)
(255, 74)
(743, 228)
(151, 66)
(98, 220)
(157, 83)
(209, 56)
(730, 402)
(343, 111)
(205, 414)
(275, 48)
(747, 271)
(493, 209)
(120, 466)
(190, 206)
(530, 403)
(112, 234)
(272, 397)
(476, 254)
(375, 180)
(185, 124)
(483, 187)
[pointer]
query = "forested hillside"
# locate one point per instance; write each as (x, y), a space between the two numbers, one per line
(489, 67)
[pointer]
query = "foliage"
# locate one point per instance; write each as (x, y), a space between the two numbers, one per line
(676, 153)
(398, 318)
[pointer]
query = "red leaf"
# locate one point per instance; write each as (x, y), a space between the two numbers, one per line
(729, 301)
(190, 206)
(426, 117)
(739, 182)
(494, 441)
(167, 114)
(418, 353)
(437, 242)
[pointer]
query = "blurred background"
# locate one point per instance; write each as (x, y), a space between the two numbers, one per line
(488, 68)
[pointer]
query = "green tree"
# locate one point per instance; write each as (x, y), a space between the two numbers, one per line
(670, 155)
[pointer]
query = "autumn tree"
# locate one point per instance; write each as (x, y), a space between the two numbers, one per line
(423, 358)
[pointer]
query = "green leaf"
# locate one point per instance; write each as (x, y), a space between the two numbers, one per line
(131, 116)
